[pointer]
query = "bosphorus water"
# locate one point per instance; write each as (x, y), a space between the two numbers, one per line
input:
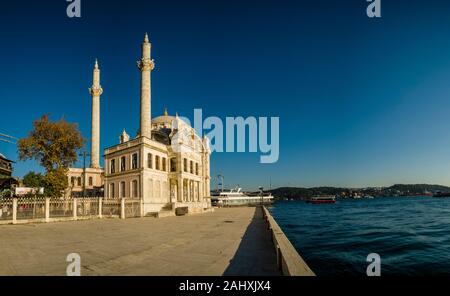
(411, 234)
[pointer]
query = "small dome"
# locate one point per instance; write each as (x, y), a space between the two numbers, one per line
(164, 119)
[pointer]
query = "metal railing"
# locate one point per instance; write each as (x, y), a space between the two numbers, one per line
(44, 209)
(6, 209)
(87, 207)
(30, 208)
(132, 208)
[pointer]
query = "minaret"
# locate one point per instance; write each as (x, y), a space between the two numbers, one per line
(146, 65)
(95, 91)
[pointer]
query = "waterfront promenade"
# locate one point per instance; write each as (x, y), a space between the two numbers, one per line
(230, 241)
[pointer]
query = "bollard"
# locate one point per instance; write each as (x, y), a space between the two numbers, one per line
(100, 204)
(47, 209)
(75, 206)
(14, 210)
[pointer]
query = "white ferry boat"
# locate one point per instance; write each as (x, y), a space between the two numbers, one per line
(235, 197)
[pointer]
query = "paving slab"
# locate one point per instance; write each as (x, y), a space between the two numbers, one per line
(228, 241)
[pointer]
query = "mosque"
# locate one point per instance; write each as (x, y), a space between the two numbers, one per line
(166, 166)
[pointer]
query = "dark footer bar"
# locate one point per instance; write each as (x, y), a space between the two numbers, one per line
(226, 285)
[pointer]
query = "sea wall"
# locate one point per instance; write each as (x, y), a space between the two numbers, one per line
(289, 261)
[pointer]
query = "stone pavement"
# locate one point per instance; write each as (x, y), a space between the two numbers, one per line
(229, 241)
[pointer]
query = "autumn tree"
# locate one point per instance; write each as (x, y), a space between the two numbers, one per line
(54, 145)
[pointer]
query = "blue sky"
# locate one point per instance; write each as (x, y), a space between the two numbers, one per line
(362, 102)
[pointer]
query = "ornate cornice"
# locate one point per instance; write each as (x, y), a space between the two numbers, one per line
(96, 91)
(146, 64)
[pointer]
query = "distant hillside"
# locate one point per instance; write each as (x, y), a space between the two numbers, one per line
(420, 188)
(298, 192)
(398, 189)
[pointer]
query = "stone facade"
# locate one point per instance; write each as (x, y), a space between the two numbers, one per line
(166, 165)
(93, 180)
(168, 171)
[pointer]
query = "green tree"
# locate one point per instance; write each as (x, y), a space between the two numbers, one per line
(56, 182)
(34, 180)
(55, 146)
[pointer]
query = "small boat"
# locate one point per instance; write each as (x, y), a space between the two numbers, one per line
(441, 194)
(321, 199)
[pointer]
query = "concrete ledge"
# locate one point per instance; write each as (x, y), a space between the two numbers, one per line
(289, 261)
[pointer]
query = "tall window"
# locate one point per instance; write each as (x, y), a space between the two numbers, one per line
(122, 189)
(164, 164)
(79, 181)
(196, 168)
(150, 161)
(90, 181)
(157, 162)
(185, 165)
(122, 163)
(191, 167)
(134, 185)
(112, 188)
(72, 180)
(134, 161)
(113, 166)
(173, 164)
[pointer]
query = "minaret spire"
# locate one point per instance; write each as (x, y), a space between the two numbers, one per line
(95, 91)
(146, 65)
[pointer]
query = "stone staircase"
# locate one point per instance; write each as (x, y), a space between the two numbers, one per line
(166, 211)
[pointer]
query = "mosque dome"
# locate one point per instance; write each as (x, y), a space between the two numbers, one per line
(163, 122)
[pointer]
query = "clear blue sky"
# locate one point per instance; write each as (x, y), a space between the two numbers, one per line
(362, 102)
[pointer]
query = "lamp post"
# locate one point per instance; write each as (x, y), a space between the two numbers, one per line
(261, 191)
(84, 154)
(219, 182)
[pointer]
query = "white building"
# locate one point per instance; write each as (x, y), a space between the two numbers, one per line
(167, 165)
(89, 181)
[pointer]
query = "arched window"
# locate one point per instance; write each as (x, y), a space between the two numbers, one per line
(134, 161)
(173, 164)
(122, 189)
(79, 181)
(150, 161)
(157, 162)
(122, 163)
(134, 186)
(164, 164)
(112, 188)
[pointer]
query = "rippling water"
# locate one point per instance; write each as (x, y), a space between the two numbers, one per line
(411, 234)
